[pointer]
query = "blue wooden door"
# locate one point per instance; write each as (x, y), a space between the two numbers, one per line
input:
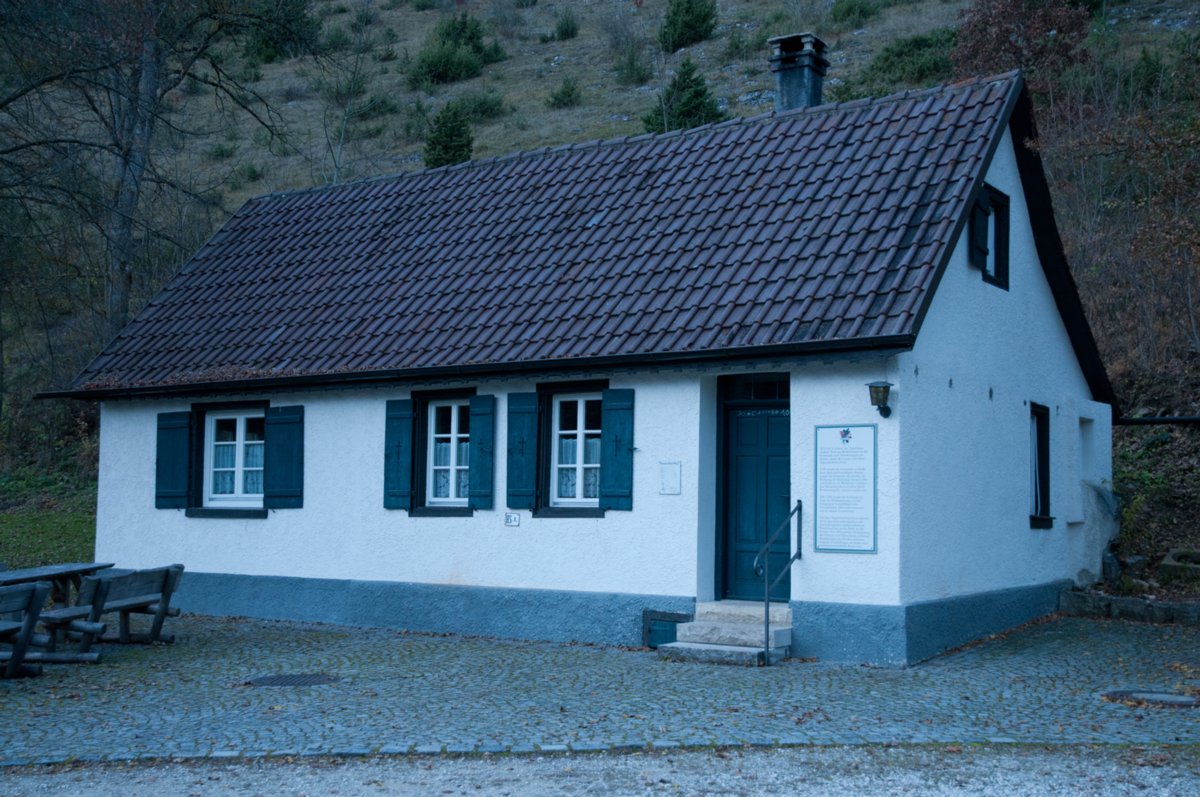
(757, 497)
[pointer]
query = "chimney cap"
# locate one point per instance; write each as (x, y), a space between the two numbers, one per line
(796, 43)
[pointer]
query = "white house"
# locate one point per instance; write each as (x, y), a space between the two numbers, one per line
(540, 395)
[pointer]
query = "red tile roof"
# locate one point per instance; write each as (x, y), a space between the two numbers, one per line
(808, 229)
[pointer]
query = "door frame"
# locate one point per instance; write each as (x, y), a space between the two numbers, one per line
(728, 388)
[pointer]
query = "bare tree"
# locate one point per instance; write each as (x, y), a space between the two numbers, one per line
(83, 102)
(96, 206)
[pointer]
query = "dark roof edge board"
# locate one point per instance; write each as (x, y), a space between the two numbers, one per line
(1053, 257)
(892, 343)
(1018, 118)
(962, 215)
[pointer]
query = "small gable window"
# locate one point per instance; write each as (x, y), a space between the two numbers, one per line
(988, 237)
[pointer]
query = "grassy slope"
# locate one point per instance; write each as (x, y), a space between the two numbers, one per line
(46, 518)
(525, 80)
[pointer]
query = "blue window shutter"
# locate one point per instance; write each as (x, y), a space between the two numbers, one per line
(283, 461)
(482, 451)
(977, 248)
(172, 457)
(1000, 216)
(522, 450)
(398, 455)
(616, 449)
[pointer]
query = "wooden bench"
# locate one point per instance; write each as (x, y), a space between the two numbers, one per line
(24, 602)
(82, 619)
(124, 591)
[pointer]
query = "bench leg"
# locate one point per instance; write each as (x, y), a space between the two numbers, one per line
(157, 624)
(85, 641)
(123, 634)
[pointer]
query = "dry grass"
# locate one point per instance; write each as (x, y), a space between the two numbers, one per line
(533, 69)
(526, 79)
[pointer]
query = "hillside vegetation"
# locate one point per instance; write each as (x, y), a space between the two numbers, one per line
(129, 131)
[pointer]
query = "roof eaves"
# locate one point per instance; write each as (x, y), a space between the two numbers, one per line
(348, 379)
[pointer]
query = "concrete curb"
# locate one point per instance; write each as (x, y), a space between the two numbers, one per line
(1080, 603)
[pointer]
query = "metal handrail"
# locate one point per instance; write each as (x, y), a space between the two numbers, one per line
(761, 568)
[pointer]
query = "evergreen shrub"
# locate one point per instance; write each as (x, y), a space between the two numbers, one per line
(567, 95)
(687, 22)
(685, 102)
(455, 51)
(450, 140)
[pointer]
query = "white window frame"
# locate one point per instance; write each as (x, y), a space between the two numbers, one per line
(239, 498)
(455, 437)
(580, 435)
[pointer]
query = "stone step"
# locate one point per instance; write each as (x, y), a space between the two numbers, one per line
(737, 634)
(742, 612)
(717, 654)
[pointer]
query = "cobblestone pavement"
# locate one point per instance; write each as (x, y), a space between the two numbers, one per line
(414, 693)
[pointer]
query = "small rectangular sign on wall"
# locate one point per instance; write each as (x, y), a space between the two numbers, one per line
(512, 519)
(845, 512)
(670, 479)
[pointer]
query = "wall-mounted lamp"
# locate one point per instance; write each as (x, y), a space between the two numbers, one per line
(879, 396)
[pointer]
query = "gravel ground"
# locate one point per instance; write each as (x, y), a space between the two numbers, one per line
(1003, 771)
(1020, 714)
(396, 693)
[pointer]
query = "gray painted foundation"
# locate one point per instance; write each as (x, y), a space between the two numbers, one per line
(900, 635)
(935, 626)
(845, 632)
(553, 615)
(893, 636)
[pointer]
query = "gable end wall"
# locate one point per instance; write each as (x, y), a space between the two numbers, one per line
(962, 400)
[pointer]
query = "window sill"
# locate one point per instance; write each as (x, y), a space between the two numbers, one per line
(996, 280)
(1041, 522)
(568, 512)
(234, 514)
(441, 511)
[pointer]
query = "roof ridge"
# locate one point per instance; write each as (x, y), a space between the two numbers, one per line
(737, 121)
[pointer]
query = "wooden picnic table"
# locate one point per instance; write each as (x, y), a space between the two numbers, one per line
(64, 577)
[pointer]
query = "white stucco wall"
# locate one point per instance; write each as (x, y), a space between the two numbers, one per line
(344, 532)
(833, 395)
(962, 402)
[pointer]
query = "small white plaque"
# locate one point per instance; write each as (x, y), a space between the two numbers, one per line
(669, 478)
(512, 519)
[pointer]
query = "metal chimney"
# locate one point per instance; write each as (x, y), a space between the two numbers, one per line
(798, 61)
